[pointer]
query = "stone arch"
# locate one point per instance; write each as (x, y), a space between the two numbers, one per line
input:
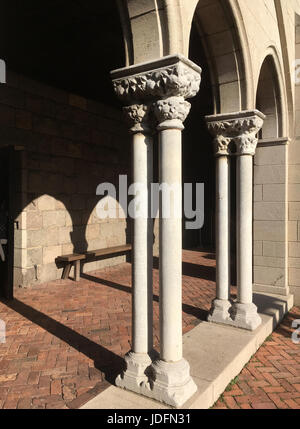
(270, 97)
(156, 28)
(144, 26)
(224, 53)
(270, 177)
(296, 72)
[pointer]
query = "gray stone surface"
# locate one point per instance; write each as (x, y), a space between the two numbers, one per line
(216, 354)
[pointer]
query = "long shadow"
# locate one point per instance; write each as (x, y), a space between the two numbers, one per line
(186, 308)
(106, 361)
(193, 270)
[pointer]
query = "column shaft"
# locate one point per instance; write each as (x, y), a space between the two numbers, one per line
(240, 128)
(244, 227)
(142, 249)
(171, 247)
(223, 227)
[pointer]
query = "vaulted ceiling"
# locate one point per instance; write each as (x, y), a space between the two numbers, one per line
(71, 44)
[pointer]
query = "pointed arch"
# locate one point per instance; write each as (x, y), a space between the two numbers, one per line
(270, 97)
(221, 42)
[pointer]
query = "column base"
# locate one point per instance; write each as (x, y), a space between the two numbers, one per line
(220, 311)
(245, 316)
(171, 384)
(137, 370)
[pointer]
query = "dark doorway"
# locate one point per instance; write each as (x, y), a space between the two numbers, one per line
(7, 196)
(198, 151)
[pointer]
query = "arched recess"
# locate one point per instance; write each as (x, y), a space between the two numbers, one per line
(270, 226)
(214, 44)
(216, 24)
(270, 98)
(156, 28)
(287, 57)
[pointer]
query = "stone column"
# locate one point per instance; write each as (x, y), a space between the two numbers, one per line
(172, 381)
(141, 355)
(166, 83)
(244, 312)
(240, 128)
(220, 310)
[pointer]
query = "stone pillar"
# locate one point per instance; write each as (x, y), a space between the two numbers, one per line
(244, 312)
(140, 357)
(173, 383)
(166, 82)
(240, 128)
(220, 310)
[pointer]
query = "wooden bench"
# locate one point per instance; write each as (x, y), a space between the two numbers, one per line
(76, 258)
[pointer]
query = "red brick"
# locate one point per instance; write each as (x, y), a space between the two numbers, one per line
(67, 365)
(34, 378)
(292, 404)
(263, 406)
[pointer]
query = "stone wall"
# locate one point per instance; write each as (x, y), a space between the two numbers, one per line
(69, 146)
(294, 191)
(270, 217)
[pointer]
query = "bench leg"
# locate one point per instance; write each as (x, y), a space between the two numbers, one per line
(66, 271)
(77, 271)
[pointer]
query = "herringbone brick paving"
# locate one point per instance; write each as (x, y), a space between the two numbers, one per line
(272, 377)
(65, 340)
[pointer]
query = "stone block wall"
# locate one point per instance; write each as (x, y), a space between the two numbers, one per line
(271, 217)
(294, 190)
(69, 146)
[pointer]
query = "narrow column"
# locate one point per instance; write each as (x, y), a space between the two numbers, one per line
(140, 357)
(172, 381)
(165, 83)
(240, 128)
(220, 310)
(244, 311)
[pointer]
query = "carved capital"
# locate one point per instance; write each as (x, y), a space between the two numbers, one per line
(246, 144)
(138, 118)
(171, 112)
(222, 145)
(172, 76)
(241, 127)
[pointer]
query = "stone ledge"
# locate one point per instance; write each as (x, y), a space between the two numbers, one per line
(213, 364)
(279, 141)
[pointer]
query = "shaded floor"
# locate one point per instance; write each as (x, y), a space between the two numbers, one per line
(65, 340)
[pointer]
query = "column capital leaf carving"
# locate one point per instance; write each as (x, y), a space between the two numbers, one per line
(171, 76)
(241, 127)
(171, 112)
(138, 118)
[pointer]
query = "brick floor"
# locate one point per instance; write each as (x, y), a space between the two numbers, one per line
(272, 377)
(65, 341)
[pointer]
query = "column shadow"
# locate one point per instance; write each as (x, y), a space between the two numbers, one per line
(186, 308)
(193, 270)
(105, 361)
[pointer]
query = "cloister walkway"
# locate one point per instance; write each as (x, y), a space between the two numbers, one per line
(65, 340)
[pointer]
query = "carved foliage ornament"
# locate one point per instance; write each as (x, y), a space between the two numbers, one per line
(170, 109)
(176, 80)
(138, 117)
(242, 131)
(222, 145)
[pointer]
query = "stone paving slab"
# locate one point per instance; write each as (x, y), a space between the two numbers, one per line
(216, 354)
